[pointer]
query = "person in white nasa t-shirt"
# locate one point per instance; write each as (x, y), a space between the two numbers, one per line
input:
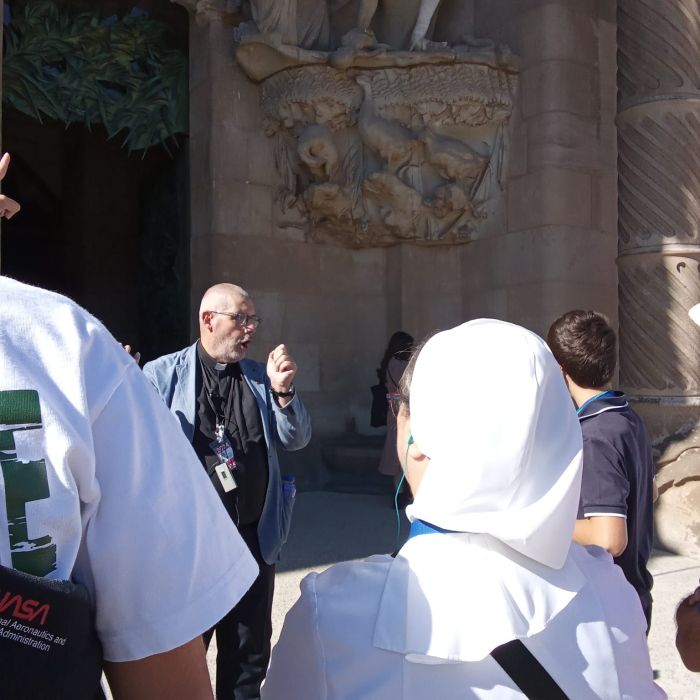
(99, 486)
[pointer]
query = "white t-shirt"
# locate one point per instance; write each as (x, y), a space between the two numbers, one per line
(98, 483)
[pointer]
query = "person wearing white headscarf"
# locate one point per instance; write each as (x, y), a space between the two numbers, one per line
(491, 448)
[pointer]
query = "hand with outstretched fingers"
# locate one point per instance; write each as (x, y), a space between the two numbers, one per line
(136, 355)
(8, 207)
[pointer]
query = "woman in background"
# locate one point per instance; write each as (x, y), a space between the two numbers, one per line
(389, 372)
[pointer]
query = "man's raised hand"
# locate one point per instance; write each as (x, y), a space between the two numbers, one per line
(281, 369)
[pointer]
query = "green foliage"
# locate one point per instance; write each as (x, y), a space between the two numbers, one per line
(119, 72)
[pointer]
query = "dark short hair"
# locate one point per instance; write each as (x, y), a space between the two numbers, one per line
(585, 345)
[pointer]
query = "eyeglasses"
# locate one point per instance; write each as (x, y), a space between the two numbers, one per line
(394, 401)
(241, 318)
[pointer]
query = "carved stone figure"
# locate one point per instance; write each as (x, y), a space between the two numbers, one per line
(209, 10)
(453, 159)
(449, 199)
(393, 142)
(276, 17)
(318, 152)
(375, 145)
(306, 23)
(453, 212)
(366, 13)
(302, 23)
(399, 205)
(426, 12)
(328, 202)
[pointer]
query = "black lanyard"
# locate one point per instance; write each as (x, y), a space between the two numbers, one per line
(222, 414)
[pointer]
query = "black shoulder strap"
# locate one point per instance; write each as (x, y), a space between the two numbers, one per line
(48, 644)
(527, 672)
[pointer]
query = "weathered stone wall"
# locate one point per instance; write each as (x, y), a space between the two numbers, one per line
(549, 243)
(555, 243)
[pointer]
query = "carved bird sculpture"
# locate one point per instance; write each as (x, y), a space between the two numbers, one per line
(452, 159)
(318, 152)
(394, 143)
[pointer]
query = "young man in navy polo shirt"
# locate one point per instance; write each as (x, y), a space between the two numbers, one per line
(617, 487)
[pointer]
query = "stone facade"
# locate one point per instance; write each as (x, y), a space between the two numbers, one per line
(375, 145)
(547, 242)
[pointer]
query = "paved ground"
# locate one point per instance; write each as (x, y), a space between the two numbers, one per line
(330, 527)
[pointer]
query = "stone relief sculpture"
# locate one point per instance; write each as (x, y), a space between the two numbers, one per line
(377, 142)
(453, 159)
(391, 141)
(426, 13)
(210, 10)
(306, 23)
(317, 151)
(302, 23)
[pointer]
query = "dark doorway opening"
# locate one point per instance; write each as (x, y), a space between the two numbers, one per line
(103, 226)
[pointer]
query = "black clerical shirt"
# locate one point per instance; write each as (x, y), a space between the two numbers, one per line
(222, 389)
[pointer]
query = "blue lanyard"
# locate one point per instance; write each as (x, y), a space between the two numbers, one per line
(420, 527)
(603, 395)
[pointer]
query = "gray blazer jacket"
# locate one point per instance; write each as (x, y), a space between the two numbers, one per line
(174, 377)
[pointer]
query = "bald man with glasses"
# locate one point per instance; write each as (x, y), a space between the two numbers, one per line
(236, 412)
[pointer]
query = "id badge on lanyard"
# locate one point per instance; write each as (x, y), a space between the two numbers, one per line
(223, 449)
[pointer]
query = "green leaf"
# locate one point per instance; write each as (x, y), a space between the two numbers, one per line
(124, 76)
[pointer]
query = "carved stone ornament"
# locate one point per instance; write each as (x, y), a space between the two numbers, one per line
(205, 11)
(376, 146)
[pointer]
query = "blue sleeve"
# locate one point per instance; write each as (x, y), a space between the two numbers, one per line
(292, 424)
(604, 484)
(149, 373)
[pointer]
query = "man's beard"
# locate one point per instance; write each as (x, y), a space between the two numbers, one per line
(237, 351)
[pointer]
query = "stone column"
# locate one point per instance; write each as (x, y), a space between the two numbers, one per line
(552, 246)
(659, 243)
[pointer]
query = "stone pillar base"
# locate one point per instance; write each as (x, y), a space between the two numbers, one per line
(675, 434)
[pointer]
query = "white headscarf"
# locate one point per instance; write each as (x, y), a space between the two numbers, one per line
(489, 406)
(694, 313)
